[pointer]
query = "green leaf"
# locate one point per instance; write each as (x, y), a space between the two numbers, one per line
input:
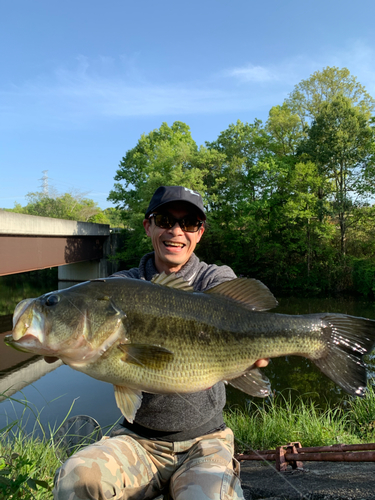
(32, 484)
(43, 484)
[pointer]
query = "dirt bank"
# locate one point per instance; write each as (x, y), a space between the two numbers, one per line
(317, 481)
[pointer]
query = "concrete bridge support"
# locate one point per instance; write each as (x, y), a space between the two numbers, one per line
(71, 274)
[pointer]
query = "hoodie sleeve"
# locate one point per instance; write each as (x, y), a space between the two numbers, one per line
(131, 273)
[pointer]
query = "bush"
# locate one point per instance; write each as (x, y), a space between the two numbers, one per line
(363, 272)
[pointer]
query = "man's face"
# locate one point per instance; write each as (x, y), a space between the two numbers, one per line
(173, 247)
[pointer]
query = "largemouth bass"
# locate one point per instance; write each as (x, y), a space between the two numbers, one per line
(161, 337)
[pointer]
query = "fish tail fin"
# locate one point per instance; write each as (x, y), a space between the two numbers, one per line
(348, 339)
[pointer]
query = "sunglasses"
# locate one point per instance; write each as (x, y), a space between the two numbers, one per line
(189, 223)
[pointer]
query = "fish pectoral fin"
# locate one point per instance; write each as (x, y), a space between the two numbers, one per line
(250, 293)
(146, 355)
(128, 400)
(172, 281)
(253, 383)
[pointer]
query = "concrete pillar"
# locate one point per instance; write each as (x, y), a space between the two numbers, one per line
(71, 274)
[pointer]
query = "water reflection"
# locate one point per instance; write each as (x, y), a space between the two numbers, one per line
(23, 374)
(355, 306)
(16, 287)
(53, 395)
(299, 374)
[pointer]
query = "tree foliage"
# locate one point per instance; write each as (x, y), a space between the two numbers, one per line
(308, 96)
(283, 198)
(65, 206)
(341, 144)
(165, 156)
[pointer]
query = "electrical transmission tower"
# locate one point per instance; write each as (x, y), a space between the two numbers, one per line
(44, 180)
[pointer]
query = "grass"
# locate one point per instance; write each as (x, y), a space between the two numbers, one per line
(28, 463)
(27, 467)
(278, 422)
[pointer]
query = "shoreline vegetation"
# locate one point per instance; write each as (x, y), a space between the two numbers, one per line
(28, 461)
(281, 420)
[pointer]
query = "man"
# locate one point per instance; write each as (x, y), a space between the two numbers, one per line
(177, 442)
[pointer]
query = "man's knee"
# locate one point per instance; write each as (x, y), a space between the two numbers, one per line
(206, 481)
(86, 479)
(103, 470)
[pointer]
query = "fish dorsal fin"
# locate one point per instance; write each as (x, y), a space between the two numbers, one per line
(250, 293)
(172, 281)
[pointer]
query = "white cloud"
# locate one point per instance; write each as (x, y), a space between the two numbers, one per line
(251, 73)
(358, 57)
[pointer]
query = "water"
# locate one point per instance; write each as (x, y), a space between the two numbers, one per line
(50, 391)
(54, 390)
(16, 287)
(299, 374)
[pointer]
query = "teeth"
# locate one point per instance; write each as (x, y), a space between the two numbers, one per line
(173, 244)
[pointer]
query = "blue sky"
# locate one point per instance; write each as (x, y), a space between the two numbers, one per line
(82, 80)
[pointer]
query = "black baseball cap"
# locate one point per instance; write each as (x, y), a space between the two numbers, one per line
(167, 194)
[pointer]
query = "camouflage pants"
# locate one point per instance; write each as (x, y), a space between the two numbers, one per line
(130, 467)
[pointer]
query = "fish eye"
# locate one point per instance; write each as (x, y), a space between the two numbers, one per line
(52, 300)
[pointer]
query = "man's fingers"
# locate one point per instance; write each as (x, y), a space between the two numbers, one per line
(261, 363)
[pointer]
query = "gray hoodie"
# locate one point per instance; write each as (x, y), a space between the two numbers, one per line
(179, 417)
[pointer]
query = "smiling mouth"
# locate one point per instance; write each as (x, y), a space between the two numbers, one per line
(173, 244)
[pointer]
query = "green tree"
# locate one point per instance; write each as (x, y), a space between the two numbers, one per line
(308, 96)
(250, 214)
(275, 193)
(114, 216)
(341, 144)
(64, 206)
(361, 240)
(165, 156)
(285, 130)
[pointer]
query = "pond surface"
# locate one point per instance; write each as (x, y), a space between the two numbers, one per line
(54, 390)
(300, 374)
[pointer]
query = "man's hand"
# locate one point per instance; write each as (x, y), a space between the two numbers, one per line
(50, 359)
(261, 363)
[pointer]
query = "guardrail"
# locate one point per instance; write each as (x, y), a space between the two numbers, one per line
(293, 454)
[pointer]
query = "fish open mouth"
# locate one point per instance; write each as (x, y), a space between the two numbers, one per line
(28, 343)
(29, 324)
(20, 309)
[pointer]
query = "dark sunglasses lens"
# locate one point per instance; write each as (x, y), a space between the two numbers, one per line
(163, 221)
(190, 225)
